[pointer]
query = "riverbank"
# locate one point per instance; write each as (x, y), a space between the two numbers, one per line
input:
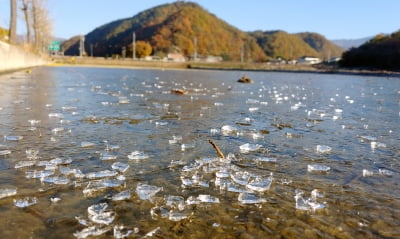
(14, 58)
(227, 66)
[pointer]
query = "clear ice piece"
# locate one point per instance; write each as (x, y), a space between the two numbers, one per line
(39, 173)
(250, 198)
(185, 147)
(137, 155)
(323, 149)
(227, 130)
(32, 154)
(176, 202)
(86, 144)
(124, 195)
(368, 138)
(207, 198)
(177, 216)
(59, 180)
(101, 174)
(309, 203)
(385, 172)
(120, 167)
(103, 218)
(260, 184)
(5, 152)
(90, 231)
(121, 232)
(240, 177)
(13, 137)
(56, 115)
(319, 168)
(25, 202)
(245, 148)
(23, 164)
(7, 192)
(107, 156)
(265, 160)
(367, 173)
(147, 192)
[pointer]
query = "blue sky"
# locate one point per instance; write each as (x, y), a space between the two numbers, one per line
(335, 19)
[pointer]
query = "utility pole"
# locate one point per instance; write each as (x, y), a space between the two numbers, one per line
(242, 53)
(91, 50)
(82, 46)
(195, 49)
(134, 46)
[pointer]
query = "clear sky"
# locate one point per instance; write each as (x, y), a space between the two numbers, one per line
(335, 19)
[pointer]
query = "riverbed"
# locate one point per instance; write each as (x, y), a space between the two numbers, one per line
(116, 153)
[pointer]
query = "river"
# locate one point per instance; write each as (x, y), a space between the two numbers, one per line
(126, 152)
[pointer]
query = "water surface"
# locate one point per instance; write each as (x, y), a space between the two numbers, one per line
(66, 126)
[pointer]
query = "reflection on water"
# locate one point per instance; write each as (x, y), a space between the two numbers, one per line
(126, 153)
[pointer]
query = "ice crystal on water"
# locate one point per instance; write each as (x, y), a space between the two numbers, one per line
(318, 168)
(245, 148)
(250, 198)
(147, 192)
(25, 202)
(323, 149)
(7, 192)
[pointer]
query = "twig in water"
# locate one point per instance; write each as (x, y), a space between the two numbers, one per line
(215, 146)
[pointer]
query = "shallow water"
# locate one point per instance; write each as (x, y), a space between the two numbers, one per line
(306, 155)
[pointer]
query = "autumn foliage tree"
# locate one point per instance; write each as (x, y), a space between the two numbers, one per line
(143, 49)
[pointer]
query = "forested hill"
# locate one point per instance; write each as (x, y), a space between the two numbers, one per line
(280, 44)
(173, 28)
(381, 52)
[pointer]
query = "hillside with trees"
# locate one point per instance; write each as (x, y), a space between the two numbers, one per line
(179, 27)
(381, 52)
(280, 44)
(325, 48)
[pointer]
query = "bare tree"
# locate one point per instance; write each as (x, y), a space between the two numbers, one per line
(13, 22)
(27, 16)
(41, 24)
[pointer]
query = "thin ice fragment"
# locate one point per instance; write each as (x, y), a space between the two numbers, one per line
(245, 148)
(319, 168)
(137, 155)
(91, 231)
(124, 195)
(250, 198)
(260, 184)
(7, 192)
(121, 167)
(25, 202)
(147, 192)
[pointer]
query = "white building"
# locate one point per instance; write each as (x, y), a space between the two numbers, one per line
(308, 60)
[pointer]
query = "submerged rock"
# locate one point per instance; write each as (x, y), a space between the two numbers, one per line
(246, 80)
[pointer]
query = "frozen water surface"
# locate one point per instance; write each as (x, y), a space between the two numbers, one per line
(91, 136)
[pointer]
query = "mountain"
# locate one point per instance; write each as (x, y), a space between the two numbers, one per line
(381, 52)
(172, 28)
(325, 48)
(349, 43)
(280, 44)
(293, 46)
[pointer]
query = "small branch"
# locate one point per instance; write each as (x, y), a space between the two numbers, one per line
(219, 152)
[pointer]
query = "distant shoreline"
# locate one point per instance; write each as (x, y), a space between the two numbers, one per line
(223, 66)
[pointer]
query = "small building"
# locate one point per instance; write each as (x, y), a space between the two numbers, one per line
(176, 57)
(308, 60)
(335, 59)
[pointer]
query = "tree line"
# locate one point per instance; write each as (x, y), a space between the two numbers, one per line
(37, 23)
(381, 52)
